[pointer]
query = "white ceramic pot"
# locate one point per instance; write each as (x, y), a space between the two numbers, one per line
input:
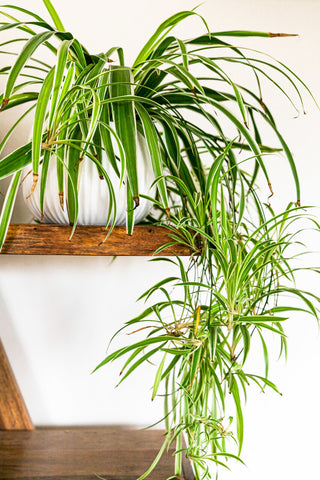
(93, 192)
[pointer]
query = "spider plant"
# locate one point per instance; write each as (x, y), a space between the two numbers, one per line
(82, 101)
(204, 130)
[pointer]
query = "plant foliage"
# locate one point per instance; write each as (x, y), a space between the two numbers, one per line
(204, 130)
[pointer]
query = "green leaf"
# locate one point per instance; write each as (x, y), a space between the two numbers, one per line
(237, 401)
(122, 351)
(62, 57)
(130, 208)
(158, 377)
(140, 361)
(246, 342)
(72, 186)
(53, 14)
(121, 84)
(15, 161)
(248, 33)
(151, 136)
(259, 319)
(43, 179)
(23, 10)
(161, 32)
(20, 99)
(8, 205)
(25, 54)
(38, 124)
(156, 460)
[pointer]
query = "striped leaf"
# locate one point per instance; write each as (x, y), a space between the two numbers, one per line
(25, 54)
(38, 124)
(8, 205)
(121, 85)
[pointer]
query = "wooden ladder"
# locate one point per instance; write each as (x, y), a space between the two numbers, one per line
(63, 453)
(76, 453)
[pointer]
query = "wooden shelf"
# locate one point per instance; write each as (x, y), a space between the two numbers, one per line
(88, 240)
(113, 453)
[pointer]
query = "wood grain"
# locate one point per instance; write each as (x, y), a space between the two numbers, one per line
(13, 412)
(88, 240)
(114, 453)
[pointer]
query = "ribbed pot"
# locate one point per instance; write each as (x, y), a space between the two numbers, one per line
(93, 193)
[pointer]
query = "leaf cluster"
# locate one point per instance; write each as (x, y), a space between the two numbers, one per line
(204, 130)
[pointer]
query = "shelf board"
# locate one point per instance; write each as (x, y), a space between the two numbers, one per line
(47, 239)
(114, 453)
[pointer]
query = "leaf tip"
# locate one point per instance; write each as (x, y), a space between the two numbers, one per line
(61, 198)
(136, 202)
(4, 103)
(35, 181)
(273, 35)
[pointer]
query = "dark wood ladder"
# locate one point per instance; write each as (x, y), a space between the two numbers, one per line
(76, 453)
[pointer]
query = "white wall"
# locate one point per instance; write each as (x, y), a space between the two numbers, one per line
(57, 314)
